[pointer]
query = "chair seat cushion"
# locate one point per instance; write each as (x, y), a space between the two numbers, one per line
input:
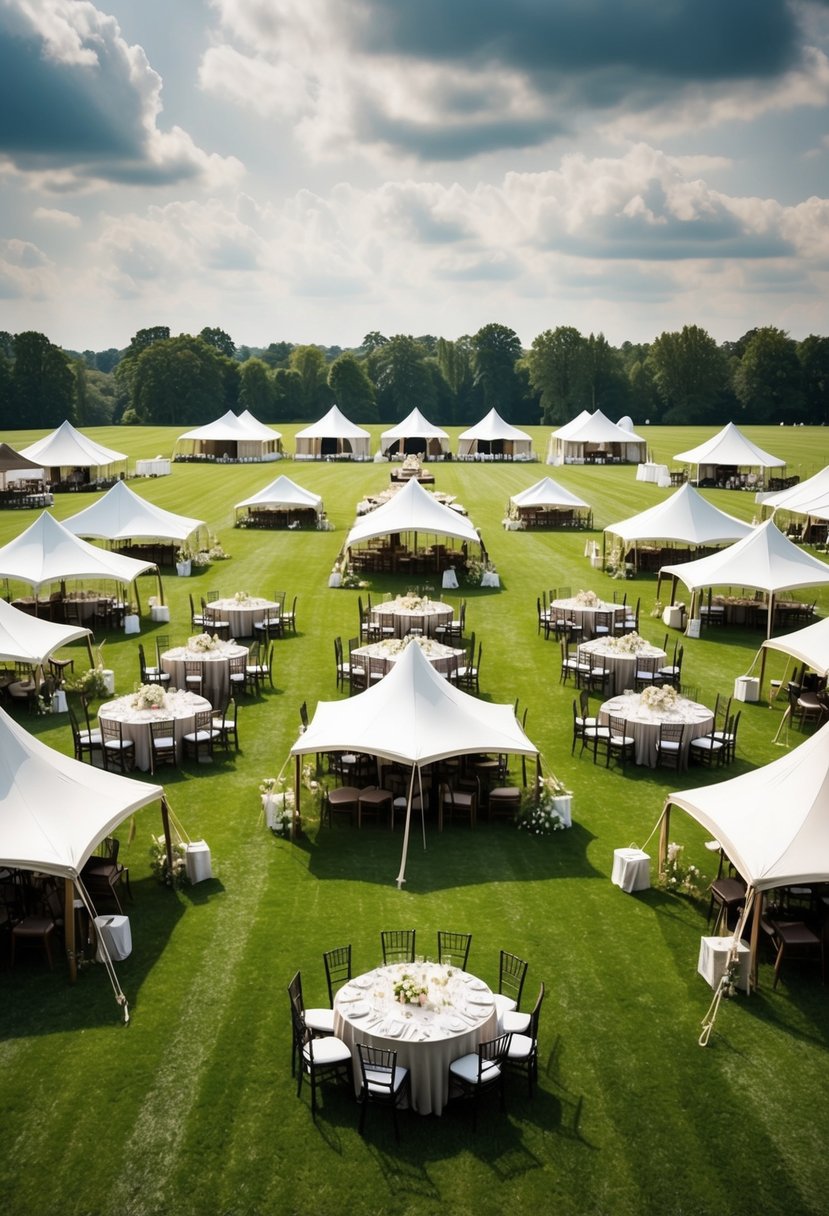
(466, 1069)
(503, 1004)
(321, 1021)
(515, 1023)
(378, 1082)
(520, 1047)
(329, 1050)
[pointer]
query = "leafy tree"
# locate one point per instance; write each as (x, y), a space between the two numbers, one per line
(106, 360)
(454, 360)
(601, 382)
(353, 391)
(768, 380)
(43, 383)
(402, 377)
(7, 412)
(372, 341)
(146, 337)
(94, 395)
(178, 381)
(288, 392)
(256, 390)
(277, 354)
(309, 362)
(553, 364)
(690, 373)
(222, 342)
(495, 353)
(813, 353)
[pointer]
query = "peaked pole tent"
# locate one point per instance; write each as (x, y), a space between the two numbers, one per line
(765, 560)
(719, 460)
(549, 504)
(415, 717)
(67, 455)
(121, 515)
(47, 552)
(809, 498)
(682, 518)
(55, 811)
(809, 646)
(230, 440)
(278, 504)
(15, 462)
(332, 437)
(594, 439)
(772, 823)
(28, 639)
(415, 436)
(493, 438)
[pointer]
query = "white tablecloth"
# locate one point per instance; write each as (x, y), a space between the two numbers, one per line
(215, 668)
(242, 617)
(426, 615)
(713, 958)
(180, 708)
(653, 472)
(389, 651)
(643, 723)
(460, 1015)
(585, 615)
(620, 664)
(152, 468)
(116, 935)
(631, 870)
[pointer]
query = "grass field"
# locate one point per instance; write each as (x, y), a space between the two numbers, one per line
(191, 1109)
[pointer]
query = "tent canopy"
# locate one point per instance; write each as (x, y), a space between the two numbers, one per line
(594, 433)
(415, 430)
(730, 447)
(773, 822)
(282, 493)
(30, 639)
(809, 645)
(547, 493)
(412, 509)
(414, 716)
(765, 559)
(121, 514)
(244, 437)
(333, 435)
(47, 552)
(810, 497)
(68, 448)
(10, 460)
(493, 436)
(55, 810)
(684, 516)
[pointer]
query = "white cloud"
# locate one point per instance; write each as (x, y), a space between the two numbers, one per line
(53, 215)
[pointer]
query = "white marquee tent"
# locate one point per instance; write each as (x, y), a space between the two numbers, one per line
(122, 515)
(333, 435)
(413, 436)
(232, 439)
(412, 509)
(492, 436)
(765, 560)
(67, 448)
(685, 517)
(414, 716)
(809, 498)
(809, 645)
(281, 495)
(593, 437)
(48, 553)
(29, 639)
(547, 495)
(729, 448)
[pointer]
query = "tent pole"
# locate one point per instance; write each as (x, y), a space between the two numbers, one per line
(401, 877)
(763, 671)
(664, 828)
(89, 648)
(160, 585)
(297, 788)
(770, 615)
(168, 840)
(137, 596)
(759, 900)
(69, 927)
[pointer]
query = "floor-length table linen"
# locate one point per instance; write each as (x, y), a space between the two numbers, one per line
(180, 709)
(215, 665)
(403, 615)
(241, 616)
(621, 664)
(459, 1015)
(585, 614)
(643, 723)
(387, 652)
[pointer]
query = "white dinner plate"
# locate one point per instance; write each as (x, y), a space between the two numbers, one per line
(480, 1000)
(358, 1010)
(452, 1024)
(393, 1030)
(362, 981)
(477, 985)
(347, 994)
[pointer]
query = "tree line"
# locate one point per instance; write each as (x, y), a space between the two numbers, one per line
(681, 378)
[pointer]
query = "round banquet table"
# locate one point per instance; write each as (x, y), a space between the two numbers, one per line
(643, 723)
(242, 616)
(180, 708)
(621, 664)
(386, 653)
(215, 668)
(459, 1015)
(404, 615)
(585, 614)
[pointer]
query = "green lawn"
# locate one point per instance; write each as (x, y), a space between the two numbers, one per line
(191, 1109)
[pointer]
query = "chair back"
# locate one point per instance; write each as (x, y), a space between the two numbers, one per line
(535, 1014)
(378, 1066)
(398, 945)
(454, 948)
(491, 1056)
(337, 968)
(512, 971)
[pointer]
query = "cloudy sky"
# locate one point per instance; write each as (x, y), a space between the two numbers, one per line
(311, 170)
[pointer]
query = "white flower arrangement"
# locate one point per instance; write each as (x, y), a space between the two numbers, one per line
(679, 878)
(540, 814)
(408, 991)
(661, 698)
(628, 643)
(241, 597)
(203, 642)
(587, 599)
(149, 696)
(412, 603)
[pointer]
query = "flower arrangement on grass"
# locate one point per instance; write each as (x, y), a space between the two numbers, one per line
(353, 582)
(149, 696)
(408, 991)
(201, 643)
(278, 802)
(587, 599)
(540, 813)
(679, 877)
(177, 877)
(662, 697)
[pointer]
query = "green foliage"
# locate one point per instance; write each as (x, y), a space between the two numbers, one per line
(403, 377)
(553, 364)
(352, 389)
(309, 364)
(179, 380)
(42, 382)
(690, 374)
(768, 380)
